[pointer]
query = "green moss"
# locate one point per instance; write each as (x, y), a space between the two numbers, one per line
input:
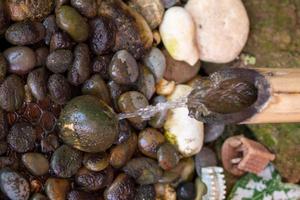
(284, 141)
(274, 36)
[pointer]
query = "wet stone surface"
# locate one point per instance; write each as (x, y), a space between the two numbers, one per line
(13, 184)
(65, 161)
(21, 137)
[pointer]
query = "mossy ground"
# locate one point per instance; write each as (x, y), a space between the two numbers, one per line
(284, 141)
(275, 32)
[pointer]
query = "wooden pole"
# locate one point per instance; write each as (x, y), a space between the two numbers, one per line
(284, 104)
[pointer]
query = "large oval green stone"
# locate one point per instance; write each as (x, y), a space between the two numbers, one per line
(88, 124)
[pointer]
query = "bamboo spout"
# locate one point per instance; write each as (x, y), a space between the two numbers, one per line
(284, 104)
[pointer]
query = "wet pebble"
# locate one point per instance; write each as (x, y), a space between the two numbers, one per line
(184, 171)
(31, 10)
(146, 82)
(122, 188)
(102, 35)
(37, 83)
(59, 60)
(95, 131)
(186, 191)
(13, 185)
(170, 3)
(156, 62)
(38, 196)
(168, 157)
(3, 147)
(35, 185)
(20, 59)
(25, 33)
(179, 71)
(124, 131)
(51, 27)
(36, 163)
(201, 188)
(165, 192)
(132, 101)
(145, 192)
(80, 195)
(3, 124)
(213, 132)
(92, 181)
(88, 8)
(95, 161)
(122, 153)
(149, 141)
(179, 42)
(123, 68)
(59, 89)
(60, 40)
(97, 87)
(69, 20)
(115, 91)
(9, 161)
(41, 56)
(49, 143)
(57, 189)
(3, 67)
(151, 10)
(186, 133)
(80, 70)
(100, 65)
(205, 158)
(4, 18)
(132, 31)
(158, 120)
(21, 137)
(65, 161)
(60, 3)
(144, 170)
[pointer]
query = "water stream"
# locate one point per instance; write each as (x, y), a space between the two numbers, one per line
(229, 96)
(149, 111)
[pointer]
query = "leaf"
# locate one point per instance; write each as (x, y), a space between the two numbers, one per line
(265, 186)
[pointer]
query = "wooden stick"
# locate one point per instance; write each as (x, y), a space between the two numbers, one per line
(284, 105)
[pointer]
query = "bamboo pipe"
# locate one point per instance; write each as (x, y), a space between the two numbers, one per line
(284, 104)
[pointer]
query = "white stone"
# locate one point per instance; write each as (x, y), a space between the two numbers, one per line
(178, 33)
(222, 28)
(183, 131)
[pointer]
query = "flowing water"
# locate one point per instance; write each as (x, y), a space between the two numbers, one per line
(229, 96)
(149, 111)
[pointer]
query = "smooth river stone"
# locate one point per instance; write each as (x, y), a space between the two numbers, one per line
(184, 132)
(178, 33)
(13, 185)
(88, 124)
(36, 163)
(222, 28)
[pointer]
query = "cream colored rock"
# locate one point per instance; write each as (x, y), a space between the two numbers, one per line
(222, 28)
(178, 33)
(164, 87)
(181, 130)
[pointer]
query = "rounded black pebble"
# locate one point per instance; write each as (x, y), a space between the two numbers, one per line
(186, 191)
